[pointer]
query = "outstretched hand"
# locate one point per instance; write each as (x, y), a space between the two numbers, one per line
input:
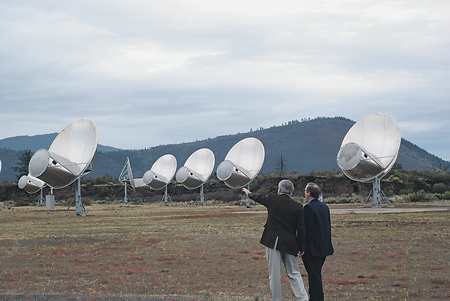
(246, 191)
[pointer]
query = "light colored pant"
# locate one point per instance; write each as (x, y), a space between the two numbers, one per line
(274, 259)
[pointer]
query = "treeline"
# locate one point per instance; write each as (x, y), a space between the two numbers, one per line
(399, 185)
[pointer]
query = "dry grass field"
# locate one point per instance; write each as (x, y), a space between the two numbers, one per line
(212, 252)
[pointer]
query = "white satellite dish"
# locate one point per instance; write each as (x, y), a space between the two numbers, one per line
(161, 173)
(126, 175)
(68, 158)
(242, 163)
(369, 150)
(30, 184)
(196, 170)
(127, 179)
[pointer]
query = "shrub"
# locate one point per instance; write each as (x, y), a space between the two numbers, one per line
(421, 196)
(103, 191)
(86, 201)
(187, 197)
(439, 188)
(22, 202)
(405, 191)
(446, 195)
(418, 197)
(223, 196)
(345, 199)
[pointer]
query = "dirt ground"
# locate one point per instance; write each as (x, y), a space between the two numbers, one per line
(212, 252)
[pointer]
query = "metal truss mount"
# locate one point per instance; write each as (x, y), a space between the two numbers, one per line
(201, 197)
(378, 196)
(166, 198)
(247, 201)
(79, 207)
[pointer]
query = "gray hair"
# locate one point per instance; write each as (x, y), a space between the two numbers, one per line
(286, 187)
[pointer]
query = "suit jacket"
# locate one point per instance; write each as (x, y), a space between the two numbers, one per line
(318, 229)
(285, 221)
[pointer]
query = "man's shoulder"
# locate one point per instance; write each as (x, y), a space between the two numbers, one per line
(272, 196)
(295, 204)
(285, 200)
(315, 203)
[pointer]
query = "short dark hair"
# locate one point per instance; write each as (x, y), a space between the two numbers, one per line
(313, 189)
(286, 187)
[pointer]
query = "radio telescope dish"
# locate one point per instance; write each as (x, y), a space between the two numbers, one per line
(126, 175)
(0, 165)
(30, 184)
(68, 157)
(161, 172)
(196, 170)
(242, 163)
(126, 178)
(370, 149)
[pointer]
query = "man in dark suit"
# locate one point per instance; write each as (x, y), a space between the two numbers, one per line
(283, 237)
(318, 239)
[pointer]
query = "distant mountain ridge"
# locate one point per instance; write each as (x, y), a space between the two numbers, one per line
(34, 143)
(307, 145)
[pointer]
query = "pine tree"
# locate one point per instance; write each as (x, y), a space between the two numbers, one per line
(281, 166)
(22, 166)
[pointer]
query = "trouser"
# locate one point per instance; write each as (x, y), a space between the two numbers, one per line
(313, 266)
(274, 259)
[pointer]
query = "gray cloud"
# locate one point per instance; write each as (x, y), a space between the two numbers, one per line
(150, 73)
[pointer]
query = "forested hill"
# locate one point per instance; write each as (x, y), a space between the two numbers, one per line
(37, 142)
(309, 145)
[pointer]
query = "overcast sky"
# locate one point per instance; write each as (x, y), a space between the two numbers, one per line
(157, 72)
